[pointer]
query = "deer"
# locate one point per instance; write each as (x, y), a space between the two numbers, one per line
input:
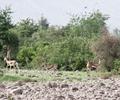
(92, 66)
(52, 67)
(11, 63)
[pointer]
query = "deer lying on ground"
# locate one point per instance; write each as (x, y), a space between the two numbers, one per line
(50, 67)
(11, 63)
(92, 66)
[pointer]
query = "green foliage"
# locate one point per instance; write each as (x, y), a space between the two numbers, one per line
(25, 56)
(5, 24)
(116, 65)
(26, 28)
(70, 54)
(88, 25)
(46, 76)
(5, 21)
(69, 46)
(8, 40)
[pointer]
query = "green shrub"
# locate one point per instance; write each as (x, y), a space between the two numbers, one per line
(69, 54)
(116, 65)
(25, 56)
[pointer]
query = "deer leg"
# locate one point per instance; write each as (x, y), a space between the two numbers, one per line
(88, 72)
(16, 67)
(6, 68)
(10, 67)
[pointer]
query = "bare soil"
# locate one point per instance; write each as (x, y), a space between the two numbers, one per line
(89, 89)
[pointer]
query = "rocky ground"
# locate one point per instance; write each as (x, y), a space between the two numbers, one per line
(89, 89)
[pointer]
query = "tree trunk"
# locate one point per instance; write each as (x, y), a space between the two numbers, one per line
(8, 55)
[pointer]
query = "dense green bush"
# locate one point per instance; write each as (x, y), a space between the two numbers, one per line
(116, 65)
(70, 54)
(68, 46)
(25, 56)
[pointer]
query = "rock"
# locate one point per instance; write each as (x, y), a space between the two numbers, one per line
(71, 97)
(2, 86)
(52, 85)
(30, 80)
(98, 89)
(18, 91)
(19, 83)
(18, 98)
(102, 92)
(2, 95)
(74, 89)
(64, 86)
(101, 84)
(10, 97)
(117, 95)
(60, 98)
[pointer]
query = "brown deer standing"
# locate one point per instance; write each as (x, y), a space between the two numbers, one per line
(11, 63)
(92, 66)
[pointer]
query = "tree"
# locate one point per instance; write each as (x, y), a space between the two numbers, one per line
(88, 25)
(43, 23)
(69, 46)
(25, 28)
(8, 40)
